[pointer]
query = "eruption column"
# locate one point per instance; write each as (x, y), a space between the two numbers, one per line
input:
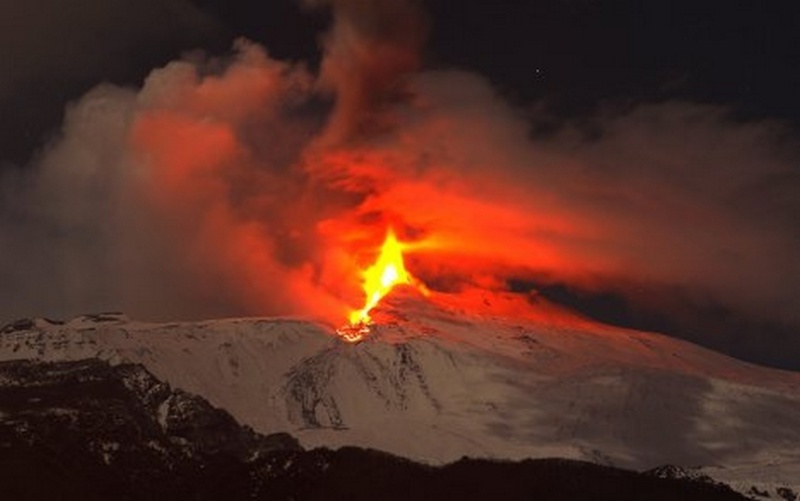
(379, 279)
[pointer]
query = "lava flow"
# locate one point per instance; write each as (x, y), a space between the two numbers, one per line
(388, 271)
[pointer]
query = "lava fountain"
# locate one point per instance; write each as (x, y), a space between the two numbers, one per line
(379, 279)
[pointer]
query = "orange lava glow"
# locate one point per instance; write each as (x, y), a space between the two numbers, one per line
(353, 333)
(235, 202)
(379, 279)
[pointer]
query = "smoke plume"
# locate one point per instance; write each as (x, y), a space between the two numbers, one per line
(369, 51)
(231, 186)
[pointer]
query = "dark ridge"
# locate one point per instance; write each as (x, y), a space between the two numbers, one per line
(91, 431)
(358, 474)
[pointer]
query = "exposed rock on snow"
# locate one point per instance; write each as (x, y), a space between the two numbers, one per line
(436, 381)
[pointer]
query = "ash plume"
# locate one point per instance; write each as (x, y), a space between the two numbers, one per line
(368, 52)
(225, 186)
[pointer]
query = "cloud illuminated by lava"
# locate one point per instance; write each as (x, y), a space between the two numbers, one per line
(250, 186)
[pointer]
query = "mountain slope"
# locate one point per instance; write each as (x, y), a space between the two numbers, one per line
(449, 376)
(96, 431)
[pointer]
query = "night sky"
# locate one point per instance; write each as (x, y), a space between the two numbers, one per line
(563, 65)
(572, 55)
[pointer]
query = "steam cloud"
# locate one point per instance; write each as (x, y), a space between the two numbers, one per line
(371, 47)
(246, 185)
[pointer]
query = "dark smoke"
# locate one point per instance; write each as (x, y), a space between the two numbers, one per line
(232, 187)
(369, 51)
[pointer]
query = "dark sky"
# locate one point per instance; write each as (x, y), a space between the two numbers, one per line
(740, 53)
(569, 59)
(574, 55)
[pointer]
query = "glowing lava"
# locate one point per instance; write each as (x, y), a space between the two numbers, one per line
(387, 272)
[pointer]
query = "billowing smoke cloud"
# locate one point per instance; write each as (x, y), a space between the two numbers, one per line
(179, 200)
(231, 187)
(371, 47)
(675, 194)
(54, 49)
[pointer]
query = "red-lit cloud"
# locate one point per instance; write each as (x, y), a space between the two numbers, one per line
(248, 186)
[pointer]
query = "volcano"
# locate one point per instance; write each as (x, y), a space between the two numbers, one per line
(477, 374)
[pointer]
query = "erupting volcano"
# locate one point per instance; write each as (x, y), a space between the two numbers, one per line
(240, 207)
(379, 279)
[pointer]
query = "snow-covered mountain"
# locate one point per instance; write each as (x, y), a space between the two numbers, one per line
(474, 374)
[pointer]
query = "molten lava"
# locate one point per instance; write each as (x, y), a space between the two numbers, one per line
(388, 271)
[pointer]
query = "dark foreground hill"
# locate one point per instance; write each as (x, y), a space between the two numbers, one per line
(89, 431)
